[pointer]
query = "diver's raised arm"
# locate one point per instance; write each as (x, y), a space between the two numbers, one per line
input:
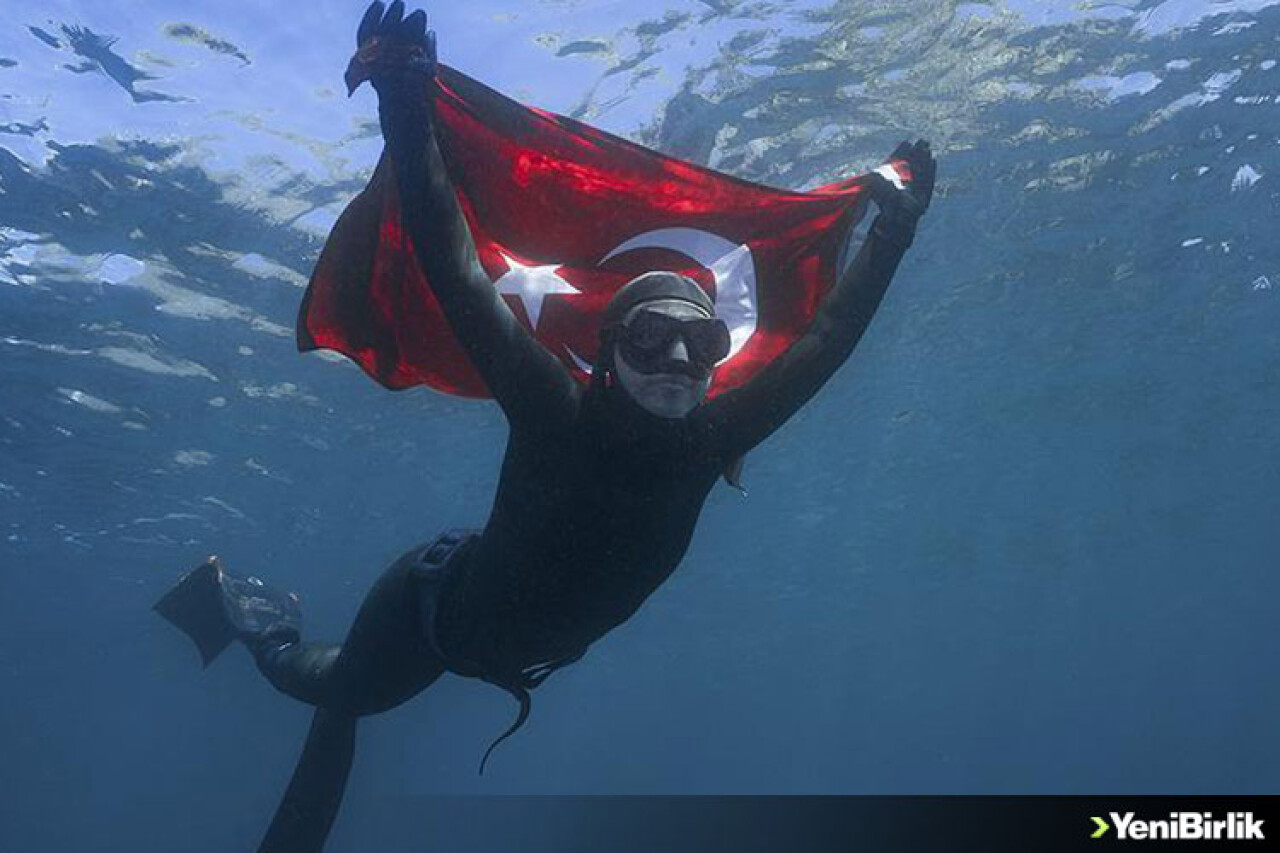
(744, 417)
(398, 55)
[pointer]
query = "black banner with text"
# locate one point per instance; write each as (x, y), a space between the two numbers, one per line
(818, 824)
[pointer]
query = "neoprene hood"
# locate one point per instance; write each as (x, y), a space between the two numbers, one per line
(651, 286)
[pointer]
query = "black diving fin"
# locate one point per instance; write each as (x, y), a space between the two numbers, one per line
(213, 608)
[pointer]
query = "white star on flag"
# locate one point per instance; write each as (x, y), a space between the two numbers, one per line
(531, 284)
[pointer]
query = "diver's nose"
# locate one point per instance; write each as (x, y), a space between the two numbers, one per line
(678, 351)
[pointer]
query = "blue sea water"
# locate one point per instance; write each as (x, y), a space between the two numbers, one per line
(1025, 541)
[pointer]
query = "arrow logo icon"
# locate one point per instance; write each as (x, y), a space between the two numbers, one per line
(1102, 828)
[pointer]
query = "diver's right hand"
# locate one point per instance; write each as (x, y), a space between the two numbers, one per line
(392, 51)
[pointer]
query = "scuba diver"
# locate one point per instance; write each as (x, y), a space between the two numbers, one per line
(600, 487)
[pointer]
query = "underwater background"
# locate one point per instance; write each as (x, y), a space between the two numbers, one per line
(1026, 540)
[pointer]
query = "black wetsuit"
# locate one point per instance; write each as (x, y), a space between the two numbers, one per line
(598, 499)
(595, 507)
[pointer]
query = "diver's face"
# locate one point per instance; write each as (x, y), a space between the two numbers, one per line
(678, 384)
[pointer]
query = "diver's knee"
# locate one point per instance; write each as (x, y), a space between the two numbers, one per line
(301, 670)
(274, 655)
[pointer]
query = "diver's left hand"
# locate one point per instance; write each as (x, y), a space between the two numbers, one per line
(901, 209)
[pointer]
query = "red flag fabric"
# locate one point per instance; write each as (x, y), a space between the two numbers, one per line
(563, 215)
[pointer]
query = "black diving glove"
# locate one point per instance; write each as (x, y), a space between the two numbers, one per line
(392, 52)
(901, 209)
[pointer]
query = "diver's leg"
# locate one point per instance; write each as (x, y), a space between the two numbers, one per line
(385, 660)
(302, 822)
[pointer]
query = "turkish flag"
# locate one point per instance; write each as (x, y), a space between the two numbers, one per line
(563, 215)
